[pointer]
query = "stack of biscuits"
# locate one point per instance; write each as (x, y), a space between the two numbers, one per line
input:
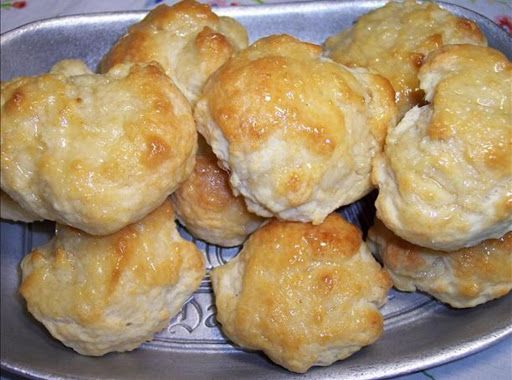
(260, 145)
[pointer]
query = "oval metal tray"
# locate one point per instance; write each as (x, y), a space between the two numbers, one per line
(419, 332)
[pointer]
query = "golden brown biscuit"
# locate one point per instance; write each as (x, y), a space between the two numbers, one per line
(305, 295)
(70, 68)
(445, 177)
(111, 293)
(206, 206)
(296, 131)
(10, 210)
(463, 278)
(394, 40)
(95, 152)
(187, 39)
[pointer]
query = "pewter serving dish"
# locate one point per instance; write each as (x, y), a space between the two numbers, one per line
(419, 332)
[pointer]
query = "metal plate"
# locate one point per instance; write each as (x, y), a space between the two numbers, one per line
(419, 332)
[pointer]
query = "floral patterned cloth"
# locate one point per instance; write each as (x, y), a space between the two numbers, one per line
(493, 363)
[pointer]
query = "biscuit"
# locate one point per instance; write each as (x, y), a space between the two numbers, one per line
(445, 178)
(296, 131)
(187, 39)
(96, 152)
(10, 210)
(99, 294)
(305, 295)
(394, 40)
(463, 278)
(206, 206)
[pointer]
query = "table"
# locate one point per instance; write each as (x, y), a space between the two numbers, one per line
(494, 362)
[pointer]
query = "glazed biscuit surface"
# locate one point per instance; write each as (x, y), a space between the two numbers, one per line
(296, 131)
(187, 39)
(445, 177)
(463, 278)
(206, 206)
(306, 295)
(111, 293)
(10, 210)
(96, 152)
(395, 39)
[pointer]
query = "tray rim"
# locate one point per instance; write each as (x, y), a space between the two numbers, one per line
(240, 10)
